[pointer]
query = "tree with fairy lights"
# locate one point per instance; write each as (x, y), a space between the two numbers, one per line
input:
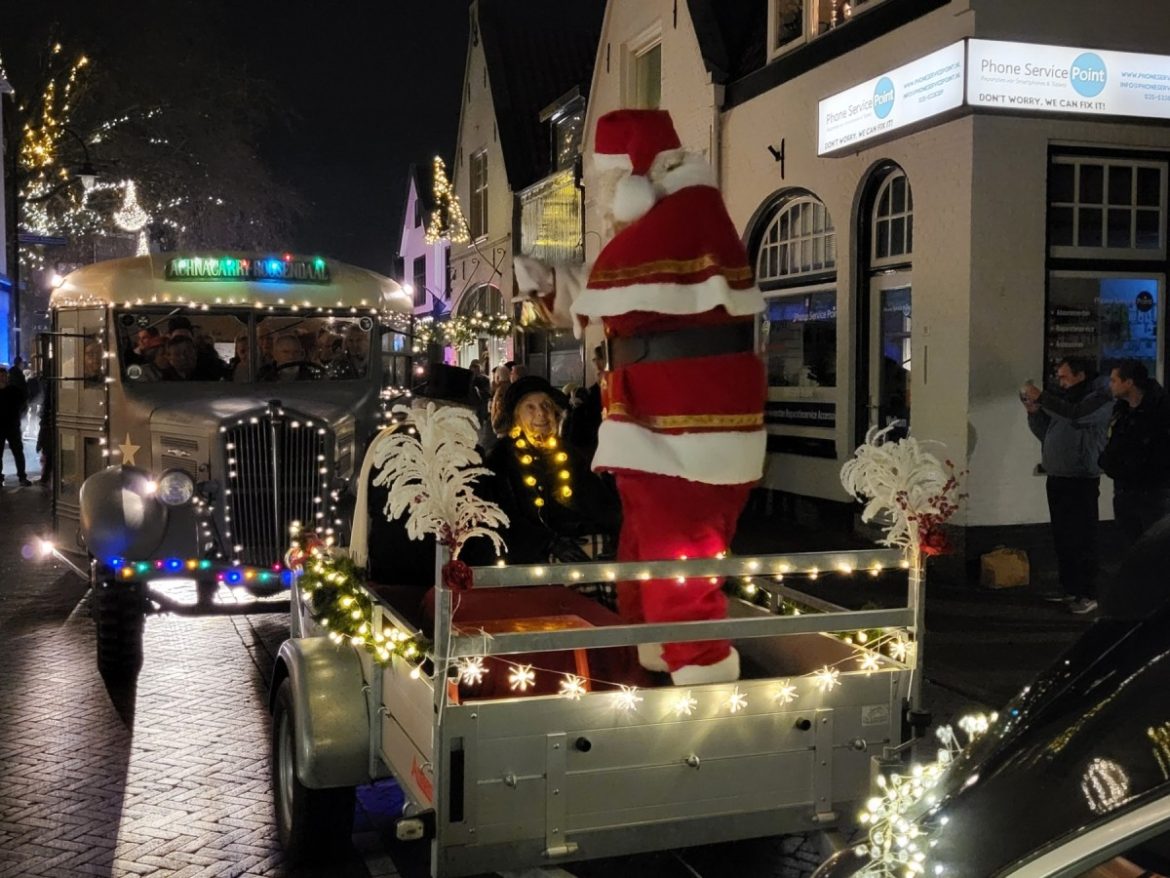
(174, 156)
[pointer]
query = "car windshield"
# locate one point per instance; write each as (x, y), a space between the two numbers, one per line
(237, 346)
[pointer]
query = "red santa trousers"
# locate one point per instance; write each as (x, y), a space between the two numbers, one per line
(663, 519)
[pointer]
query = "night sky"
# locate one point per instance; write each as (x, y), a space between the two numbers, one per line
(368, 87)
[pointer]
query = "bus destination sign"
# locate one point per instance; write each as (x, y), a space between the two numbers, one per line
(287, 269)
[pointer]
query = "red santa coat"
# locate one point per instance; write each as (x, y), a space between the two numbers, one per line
(684, 436)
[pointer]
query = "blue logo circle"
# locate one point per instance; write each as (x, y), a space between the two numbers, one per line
(1087, 74)
(883, 97)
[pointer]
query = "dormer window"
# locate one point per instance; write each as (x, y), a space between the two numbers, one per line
(793, 23)
(566, 123)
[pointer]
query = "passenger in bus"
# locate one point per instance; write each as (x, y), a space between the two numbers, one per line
(288, 361)
(239, 367)
(327, 347)
(266, 339)
(147, 344)
(355, 355)
(182, 360)
(93, 372)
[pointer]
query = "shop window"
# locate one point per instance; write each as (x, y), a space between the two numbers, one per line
(1106, 207)
(799, 241)
(800, 332)
(893, 222)
(1102, 318)
(648, 78)
(478, 213)
(794, 22)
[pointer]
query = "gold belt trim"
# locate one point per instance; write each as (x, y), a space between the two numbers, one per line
(682, 422)
(674, 266)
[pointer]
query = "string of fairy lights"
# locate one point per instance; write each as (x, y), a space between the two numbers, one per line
(333, 588)
(447, 221)
(460, 330)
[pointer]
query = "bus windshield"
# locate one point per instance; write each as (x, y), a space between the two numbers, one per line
(235, 345)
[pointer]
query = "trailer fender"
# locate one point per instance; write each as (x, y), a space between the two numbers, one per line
(331, 718)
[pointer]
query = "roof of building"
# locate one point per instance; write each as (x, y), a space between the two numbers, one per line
(732, 36)
(420, 175)
(536, 52)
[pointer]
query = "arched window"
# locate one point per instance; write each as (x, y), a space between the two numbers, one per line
(893, 221)
(482, 301)
(799, 241)
(794, 249)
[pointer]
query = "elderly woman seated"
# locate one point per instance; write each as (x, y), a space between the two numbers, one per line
(402, 571)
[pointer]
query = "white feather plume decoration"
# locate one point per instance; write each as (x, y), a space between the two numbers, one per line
(902, 481)
(430, 474)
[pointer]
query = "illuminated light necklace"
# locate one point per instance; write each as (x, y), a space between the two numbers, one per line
(527, 459)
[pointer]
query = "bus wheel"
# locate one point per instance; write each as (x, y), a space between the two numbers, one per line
(119, 612)
(311, 823)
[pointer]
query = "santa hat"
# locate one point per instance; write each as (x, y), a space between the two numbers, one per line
(631, 140)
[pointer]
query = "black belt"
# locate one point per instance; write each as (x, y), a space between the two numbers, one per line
(696, 341)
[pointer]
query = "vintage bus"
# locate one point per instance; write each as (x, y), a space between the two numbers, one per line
(202, 405)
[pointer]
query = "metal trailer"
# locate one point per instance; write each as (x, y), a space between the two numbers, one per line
(525, 781)
(200, 479)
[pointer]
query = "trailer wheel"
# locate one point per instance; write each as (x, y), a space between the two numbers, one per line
(311, 823)
(119, 614)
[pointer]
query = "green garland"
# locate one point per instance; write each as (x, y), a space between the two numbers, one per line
(336, 599)
(460, 330)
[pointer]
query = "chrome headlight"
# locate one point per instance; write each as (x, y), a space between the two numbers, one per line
(175, 488)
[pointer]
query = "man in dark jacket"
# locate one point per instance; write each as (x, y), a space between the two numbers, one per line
(1137, 454)
(1070, 423)
(12, 403)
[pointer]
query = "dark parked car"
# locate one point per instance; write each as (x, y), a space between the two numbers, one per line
(1073, 780)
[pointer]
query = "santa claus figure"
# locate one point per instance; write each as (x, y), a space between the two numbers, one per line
(683, 394)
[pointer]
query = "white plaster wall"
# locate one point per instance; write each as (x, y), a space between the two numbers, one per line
(937, 162)
(489, 259)
(412, 244)
(687, 93)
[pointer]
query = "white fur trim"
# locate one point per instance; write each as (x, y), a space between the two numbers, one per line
(571, 279)
(612, 161)
(632, 198)
(725, 671)
(532, 275)
(650, 657)
(694, 171)
(668, 299)
(721, 458)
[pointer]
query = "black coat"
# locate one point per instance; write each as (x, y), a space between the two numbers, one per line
(536, 533)
(13, 402)
(1137, 453)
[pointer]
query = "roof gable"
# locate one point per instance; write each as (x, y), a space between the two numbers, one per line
(536, 51)
(732, 35)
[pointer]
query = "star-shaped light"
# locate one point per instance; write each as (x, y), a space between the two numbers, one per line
(521, 678)
(899, 649)
(471, 670)
(572, 687)
(869, 661)
(737, 701)
(628, 698)
(685, 704)
(828, 678)
(786, 693)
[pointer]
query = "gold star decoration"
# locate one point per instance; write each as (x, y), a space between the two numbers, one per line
(129, 450)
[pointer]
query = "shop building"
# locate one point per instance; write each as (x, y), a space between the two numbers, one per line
(527, 71)
(941, 199)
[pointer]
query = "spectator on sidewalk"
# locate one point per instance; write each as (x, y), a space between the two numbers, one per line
(584, 420)
(1137, 455)
(1070, 423)
(12, 403)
